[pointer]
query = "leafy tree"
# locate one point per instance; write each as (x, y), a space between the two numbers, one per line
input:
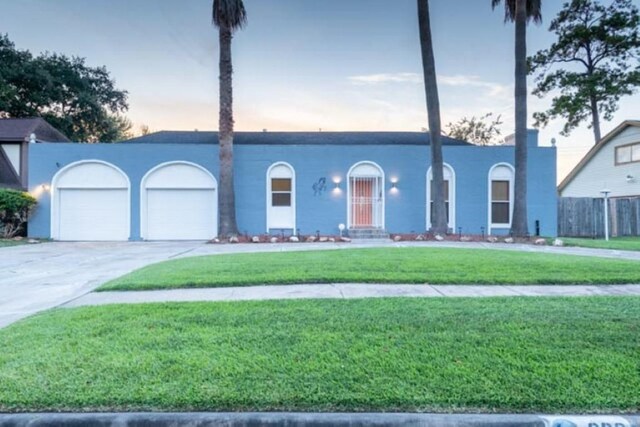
(481, 130)
(81, 101)
(520, 12)
(228, 16)
(439, 216)
(601, 46)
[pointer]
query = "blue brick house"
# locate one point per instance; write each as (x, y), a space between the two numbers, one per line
(163, 186)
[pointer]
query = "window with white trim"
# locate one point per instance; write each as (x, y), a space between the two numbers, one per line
(627, 154)
(449, 195)
(500, 196)
(280, 191)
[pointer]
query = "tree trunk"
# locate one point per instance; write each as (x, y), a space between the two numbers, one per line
(226, 194)
(439, 217)
(519, 223)
(595, 119)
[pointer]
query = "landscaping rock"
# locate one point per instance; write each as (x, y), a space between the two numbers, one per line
(345, 239)
(558, 242)
(439, 238)
(33, 241)
(397, 238)
(331, 239)
(509, 240)
(18, 238)
(234, 239)
(492, 239)
(541, 242)
(323, 239)
(255, 239)
(311, 239)
(294, 239)
(215, 240)
(465, 239)
(419, 237)
(274, 240)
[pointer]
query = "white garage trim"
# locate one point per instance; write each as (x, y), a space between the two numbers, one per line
(88, 175)
(193, 182)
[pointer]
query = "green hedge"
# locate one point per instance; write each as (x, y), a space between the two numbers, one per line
(15, 208)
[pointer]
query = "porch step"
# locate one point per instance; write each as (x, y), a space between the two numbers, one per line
(368, 233)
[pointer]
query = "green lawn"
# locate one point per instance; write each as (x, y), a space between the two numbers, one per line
(620, 243)
(382, 265)
(504, 354)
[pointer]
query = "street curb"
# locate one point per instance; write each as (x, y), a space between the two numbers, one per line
(310, 420)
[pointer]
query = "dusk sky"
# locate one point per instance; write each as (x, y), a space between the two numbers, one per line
(299, 64)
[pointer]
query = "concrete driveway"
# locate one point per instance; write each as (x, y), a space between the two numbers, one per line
(37, 277)
(41, 276)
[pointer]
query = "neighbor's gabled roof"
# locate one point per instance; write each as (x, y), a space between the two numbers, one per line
(8, 176)
(595, 149)
(295, 138)
(19, 129)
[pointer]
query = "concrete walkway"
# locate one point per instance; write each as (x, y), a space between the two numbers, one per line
(38, 277)
(345, 291)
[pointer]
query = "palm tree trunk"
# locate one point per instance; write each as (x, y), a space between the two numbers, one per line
(226, 194)
(595, 119)
(519, 224)
(439, 217)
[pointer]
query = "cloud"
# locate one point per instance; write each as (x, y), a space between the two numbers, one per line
(372, 79)
(457, 81)
(494, 89)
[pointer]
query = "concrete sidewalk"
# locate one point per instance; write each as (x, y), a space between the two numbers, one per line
(346, 291)
(273, 419)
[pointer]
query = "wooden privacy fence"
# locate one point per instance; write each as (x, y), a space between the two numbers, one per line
(584, 217)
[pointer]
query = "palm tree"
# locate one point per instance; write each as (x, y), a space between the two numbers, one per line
(520, 12)
(439, 214)
(228, 16)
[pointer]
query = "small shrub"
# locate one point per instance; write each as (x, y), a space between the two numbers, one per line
(15, 208)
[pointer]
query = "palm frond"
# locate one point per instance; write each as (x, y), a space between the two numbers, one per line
(534, 10)
(229, 13)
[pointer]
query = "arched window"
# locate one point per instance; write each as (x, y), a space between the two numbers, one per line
(500, 195)
(281, 197)
(449, 196)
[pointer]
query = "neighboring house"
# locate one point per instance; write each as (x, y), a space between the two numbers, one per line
(612, 164)
(15, 135)
(163, 186)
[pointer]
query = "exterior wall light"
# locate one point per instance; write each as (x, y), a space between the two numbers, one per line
(45, 187)
(336, 184)
(394, 184)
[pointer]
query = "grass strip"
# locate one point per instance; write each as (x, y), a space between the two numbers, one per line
(380, 265)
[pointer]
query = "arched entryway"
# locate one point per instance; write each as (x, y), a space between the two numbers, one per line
(365, 206)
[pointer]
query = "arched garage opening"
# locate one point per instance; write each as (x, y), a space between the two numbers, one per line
(91, 201)
(178, 202)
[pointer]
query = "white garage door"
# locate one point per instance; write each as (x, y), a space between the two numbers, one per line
(179, 201)
(90, 202)
(182, 214)
(93, 214)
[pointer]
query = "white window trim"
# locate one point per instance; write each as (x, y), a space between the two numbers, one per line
(144, 195)
(382, 184)
(54, 226)
(511, 179)
(452, 197)
(293, 194)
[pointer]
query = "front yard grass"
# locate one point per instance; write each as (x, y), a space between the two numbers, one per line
(380, 265)
(447, 355)
(619, 243)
